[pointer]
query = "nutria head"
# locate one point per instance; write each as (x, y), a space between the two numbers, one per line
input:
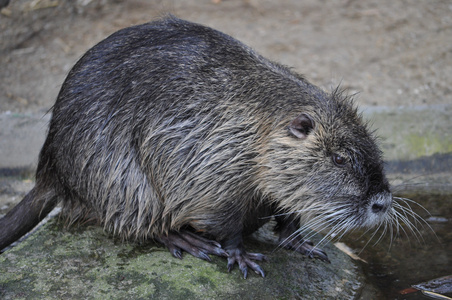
(323, 165)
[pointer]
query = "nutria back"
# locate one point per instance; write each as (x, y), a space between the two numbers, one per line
(176, 132)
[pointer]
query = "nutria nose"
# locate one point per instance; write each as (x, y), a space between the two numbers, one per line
(378, 208)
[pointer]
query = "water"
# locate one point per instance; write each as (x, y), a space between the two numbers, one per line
(408, 260)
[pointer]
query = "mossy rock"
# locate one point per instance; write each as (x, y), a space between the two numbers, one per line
(84, 263)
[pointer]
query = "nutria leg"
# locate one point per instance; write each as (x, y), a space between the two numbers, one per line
(289, 239)
(192, 243)
(237, 254)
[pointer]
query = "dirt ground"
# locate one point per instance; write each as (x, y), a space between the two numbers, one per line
(394, 53)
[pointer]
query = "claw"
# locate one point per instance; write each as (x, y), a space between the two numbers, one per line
(245, 272)
(201, 247)
(231, 263)
(260, 272)
(318, 253)
(204, 256)
(245, 261)
(257, 256)
(176, 253)
(192, 243)
(289, 239)
(307, 248)
(257, 269)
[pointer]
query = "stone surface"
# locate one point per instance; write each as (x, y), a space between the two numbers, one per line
(22, 136)
(84, 263)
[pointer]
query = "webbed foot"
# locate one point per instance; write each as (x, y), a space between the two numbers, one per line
(192, 243)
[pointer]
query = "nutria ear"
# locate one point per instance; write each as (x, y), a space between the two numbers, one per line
(301, 126)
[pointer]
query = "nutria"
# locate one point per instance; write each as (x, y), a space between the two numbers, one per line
(176, 132)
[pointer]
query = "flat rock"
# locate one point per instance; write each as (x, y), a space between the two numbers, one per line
(84, 263)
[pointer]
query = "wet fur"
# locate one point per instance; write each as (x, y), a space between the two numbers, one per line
(169, 125)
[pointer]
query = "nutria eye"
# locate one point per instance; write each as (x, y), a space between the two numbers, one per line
(339, 160)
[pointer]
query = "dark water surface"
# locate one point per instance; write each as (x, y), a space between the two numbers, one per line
(410, 258)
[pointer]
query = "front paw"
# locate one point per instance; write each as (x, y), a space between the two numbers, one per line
(245, 260)
(305, 247)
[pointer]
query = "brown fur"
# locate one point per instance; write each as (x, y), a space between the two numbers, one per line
(171, 126)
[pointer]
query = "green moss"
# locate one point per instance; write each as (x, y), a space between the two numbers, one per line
(410, 133)
(86, 264)
(427, 145)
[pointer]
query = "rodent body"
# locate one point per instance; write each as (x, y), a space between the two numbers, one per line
(176, 132)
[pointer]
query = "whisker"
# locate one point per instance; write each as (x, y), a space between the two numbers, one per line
(417, 218)
(391, 231)
(416, 232)
(337, 221)
(312, 226)
(412, 201)
(370, 239)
